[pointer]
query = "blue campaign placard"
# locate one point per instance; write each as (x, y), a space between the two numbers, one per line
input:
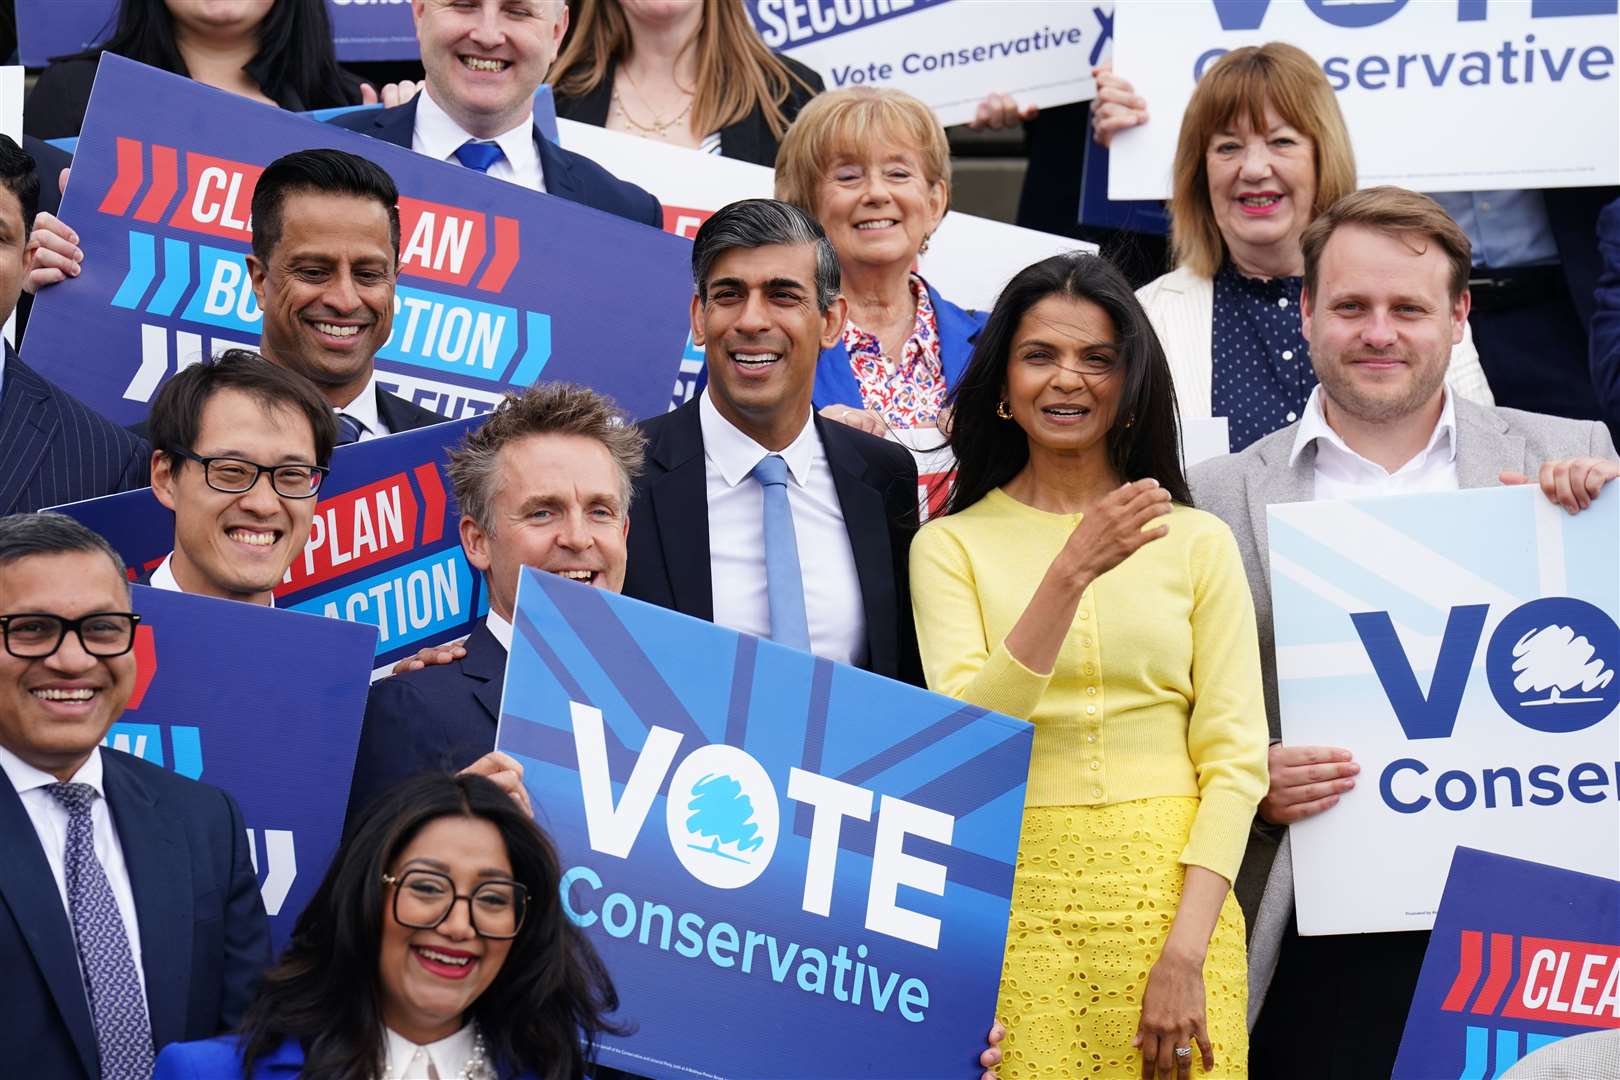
(384, 547)
(792, 868)
(361, 29)
(1522, 955)
(264, 704)
(499, 286)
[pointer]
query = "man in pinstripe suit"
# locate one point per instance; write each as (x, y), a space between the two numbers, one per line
(52, 448)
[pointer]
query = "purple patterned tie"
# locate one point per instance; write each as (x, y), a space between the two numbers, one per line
(113, 986)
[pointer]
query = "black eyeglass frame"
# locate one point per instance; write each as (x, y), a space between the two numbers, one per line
(207, 463)
(520, 890)
(64, 626)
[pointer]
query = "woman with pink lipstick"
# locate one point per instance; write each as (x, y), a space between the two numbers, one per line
(436, 946)
(872, 165)
(1262, 151)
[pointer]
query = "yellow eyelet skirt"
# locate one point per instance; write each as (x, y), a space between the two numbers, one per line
(1094, 894)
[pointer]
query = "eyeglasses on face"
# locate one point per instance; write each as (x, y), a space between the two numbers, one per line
(233, 476)
(34, 635)
(423, 899)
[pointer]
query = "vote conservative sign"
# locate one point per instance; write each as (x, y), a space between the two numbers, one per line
(498, 285)
(361, 29)
(1463, 647)
(1522, 955)
(1428, 87)
(384, 547)
(769, 850)
(948, 53)
(265, 704)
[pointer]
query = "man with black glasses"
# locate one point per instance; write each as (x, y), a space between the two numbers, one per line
(130, 916)
(240, 447)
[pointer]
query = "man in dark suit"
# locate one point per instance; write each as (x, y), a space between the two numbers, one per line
(484, 61)
(130, 916)
(544, 482)
(756, 513)
(52, 448)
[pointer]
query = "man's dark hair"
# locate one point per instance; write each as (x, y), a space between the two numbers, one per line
(543, 1013)
(756, 223)
(20, 175)
(47, 533)
(176, 416)
(324, 172)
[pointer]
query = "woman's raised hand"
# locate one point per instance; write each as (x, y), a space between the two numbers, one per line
(1116, 527)
(1117, 106)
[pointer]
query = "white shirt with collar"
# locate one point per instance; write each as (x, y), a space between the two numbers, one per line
(445, 1059)
(832, 590)
(50, 820)
(163, 578)
(499, 628)
(363, 410)
(438, 136)
(1341, 473)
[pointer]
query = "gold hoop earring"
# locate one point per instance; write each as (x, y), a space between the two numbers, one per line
(1004, 409)
(922, 249)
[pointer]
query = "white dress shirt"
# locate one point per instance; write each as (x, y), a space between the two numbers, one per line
(444, 1060)
(363, 411)
(1341, 473)
(163, 578)
(50, 819)
(438, 136)
(500, 628)
(832, 590)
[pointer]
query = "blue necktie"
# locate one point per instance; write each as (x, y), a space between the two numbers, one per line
(111, 983)
(479, 155)
(349, 429)
(784, 581)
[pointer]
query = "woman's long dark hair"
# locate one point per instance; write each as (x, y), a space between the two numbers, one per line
(991, 451)
(295, 49)
(543, 1012)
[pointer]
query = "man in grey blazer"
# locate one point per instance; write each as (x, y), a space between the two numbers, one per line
(1384, 300)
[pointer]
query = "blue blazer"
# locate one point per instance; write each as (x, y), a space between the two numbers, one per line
(958, 329)
(204, 936)
(54, 449)
(219, 1059)
(568, 175)
(439, 717)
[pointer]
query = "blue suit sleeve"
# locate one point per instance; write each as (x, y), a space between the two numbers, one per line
(1605, 344)
(391, 746)
(211, 1059)
(247, 928)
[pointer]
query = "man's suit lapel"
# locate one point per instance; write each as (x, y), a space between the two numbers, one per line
(28, 422)
(28, 888)
(396, 125)
(1280, 482)
(680, 505)
(485, 664)
(555, 170)
(1485, 447)
(160, 877)
(866, 519)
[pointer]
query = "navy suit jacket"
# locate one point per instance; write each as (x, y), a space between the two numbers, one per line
(876, 483)
(567, 175)
(54, 449)
(441, 717)
(204, 936)
(1605, 360)
(219, 1059)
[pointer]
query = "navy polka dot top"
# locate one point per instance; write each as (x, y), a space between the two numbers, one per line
(1262, 367)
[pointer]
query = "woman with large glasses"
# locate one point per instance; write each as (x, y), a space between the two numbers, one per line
(435, 946)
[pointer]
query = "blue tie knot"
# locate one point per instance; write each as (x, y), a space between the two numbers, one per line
(478, 155)
(76, 798)
(772, 469)
(349, 429)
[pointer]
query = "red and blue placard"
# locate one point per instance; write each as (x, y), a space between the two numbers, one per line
(264, 704)
(384, 547)
(1522, 955)
(498, 285)
(818, 858)
(361, 29)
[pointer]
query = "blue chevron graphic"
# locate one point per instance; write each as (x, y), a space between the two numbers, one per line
(142, 269)
(176, 277)
(538, 352)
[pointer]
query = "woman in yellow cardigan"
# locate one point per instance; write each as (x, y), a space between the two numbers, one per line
(1071, 583)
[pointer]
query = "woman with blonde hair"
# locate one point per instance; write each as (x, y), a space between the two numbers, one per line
(1263, 150)
(689, 72)
(873, 166)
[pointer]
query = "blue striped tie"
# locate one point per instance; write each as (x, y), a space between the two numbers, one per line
(111, 983)
(349, 429)
(479, 155)
(784, 580)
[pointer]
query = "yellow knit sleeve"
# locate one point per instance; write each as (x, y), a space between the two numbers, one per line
(957, 657)
(1226, 731)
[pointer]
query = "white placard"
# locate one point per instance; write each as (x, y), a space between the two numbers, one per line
(969, 258)
(1202, 438)
(1463, 647)
(1439, 95)
(948, 53)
